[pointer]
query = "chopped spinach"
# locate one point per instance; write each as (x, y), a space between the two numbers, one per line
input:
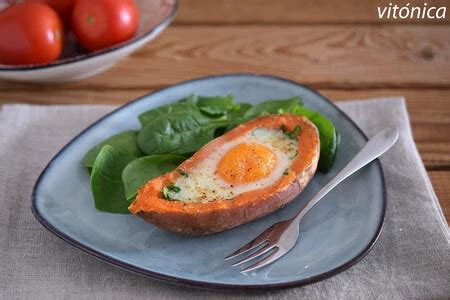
(291, 134)
(183, 173)
(170, 188)
(295, 154)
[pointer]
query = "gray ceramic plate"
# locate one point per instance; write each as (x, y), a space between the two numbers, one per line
(336, 234)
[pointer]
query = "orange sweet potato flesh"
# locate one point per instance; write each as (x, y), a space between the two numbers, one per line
(192, 218)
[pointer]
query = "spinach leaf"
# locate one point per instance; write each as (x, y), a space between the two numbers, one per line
(273, 107)
(174, 110)
(141, 170)
(175, 134)
(236, 115)
(329, 138)
(216, 106)
(106, 180)
(125, 141)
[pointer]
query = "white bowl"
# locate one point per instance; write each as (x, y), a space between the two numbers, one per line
(155, 16)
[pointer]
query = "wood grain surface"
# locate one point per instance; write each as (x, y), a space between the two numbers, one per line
(340, 48)
(322, 56)
(295, 11)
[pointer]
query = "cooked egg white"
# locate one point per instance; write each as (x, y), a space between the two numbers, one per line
(255, 160)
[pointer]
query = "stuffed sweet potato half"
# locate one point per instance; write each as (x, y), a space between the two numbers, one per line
(245, 174)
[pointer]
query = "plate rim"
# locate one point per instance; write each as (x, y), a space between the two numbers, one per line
(199, 283)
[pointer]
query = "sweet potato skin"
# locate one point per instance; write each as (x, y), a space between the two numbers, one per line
(215, 221)
(207, 218)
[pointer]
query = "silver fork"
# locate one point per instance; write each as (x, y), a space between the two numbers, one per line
(280, 238)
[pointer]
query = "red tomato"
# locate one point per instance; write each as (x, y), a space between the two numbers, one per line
(30, 33)
(62, 7)
(103, 23)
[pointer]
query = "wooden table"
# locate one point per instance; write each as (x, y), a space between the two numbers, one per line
(340, 48)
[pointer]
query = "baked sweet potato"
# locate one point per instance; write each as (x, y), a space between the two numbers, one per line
(194, 218)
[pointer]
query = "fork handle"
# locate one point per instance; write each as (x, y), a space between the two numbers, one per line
(374, 148)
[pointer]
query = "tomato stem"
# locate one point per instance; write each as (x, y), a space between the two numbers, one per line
(90, 20)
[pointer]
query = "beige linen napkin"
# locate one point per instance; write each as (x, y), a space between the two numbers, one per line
(411, 258)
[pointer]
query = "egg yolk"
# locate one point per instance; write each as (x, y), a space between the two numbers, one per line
(247, 162)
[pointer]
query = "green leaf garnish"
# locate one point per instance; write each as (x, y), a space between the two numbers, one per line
(170, 188)
(291, 134)
(183, 173)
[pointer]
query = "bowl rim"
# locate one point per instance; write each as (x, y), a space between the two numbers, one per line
(81, 57)
(200, 283)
